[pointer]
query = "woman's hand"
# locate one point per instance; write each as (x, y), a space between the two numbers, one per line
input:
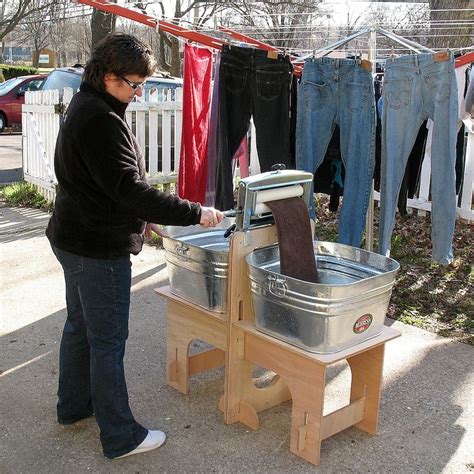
(154, 228)
(210, 217)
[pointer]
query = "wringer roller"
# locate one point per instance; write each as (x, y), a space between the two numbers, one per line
(257, 190)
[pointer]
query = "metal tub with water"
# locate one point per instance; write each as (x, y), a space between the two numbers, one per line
(197, 262)
(347, 307)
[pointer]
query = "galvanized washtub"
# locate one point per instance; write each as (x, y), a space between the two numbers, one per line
(347, 307)
(197, 261)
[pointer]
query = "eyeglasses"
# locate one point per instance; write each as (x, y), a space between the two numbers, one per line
(133, 85)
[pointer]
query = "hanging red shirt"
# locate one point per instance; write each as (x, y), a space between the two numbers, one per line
(192, 175)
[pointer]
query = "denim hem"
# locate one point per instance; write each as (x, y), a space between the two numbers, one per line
(116, 454)
(73, 420)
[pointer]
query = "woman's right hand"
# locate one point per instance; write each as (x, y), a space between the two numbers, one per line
(210, 217)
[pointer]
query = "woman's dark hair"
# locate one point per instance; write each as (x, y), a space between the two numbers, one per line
(119, 54)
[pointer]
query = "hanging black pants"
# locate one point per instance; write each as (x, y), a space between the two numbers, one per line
(251, 84)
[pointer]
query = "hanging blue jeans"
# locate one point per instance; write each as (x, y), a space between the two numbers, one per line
(418, 87)
(91, 373)
(339, 91)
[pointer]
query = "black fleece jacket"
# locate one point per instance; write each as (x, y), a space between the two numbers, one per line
(103, 199)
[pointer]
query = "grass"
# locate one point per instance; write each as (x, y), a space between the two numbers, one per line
(24, 194)
(427, 295)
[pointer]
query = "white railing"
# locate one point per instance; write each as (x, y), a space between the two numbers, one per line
(156, 124)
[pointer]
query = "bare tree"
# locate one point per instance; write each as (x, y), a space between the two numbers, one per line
(60, 31)
(281, 23)
(15, 11)
(169, 57)
(102, 24)
(78, 38)
(34, 29)
(18, 10)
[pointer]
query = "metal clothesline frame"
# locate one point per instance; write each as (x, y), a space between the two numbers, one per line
(216, 43)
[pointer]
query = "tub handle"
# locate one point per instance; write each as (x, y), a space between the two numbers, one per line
(182, 251)
(277, 286)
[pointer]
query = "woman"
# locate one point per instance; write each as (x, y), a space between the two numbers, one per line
(103, 208)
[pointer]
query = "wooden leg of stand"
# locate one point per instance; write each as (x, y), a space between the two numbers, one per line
(366, 371)
(177, 354)
(307, 414)
(178, 366)
(306, 381)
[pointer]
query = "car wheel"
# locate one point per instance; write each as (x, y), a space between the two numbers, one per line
(3, 121)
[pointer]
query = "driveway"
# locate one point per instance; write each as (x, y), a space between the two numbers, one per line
(426, 417)
(10, 158)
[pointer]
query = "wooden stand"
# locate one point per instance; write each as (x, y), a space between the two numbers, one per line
(301, 374)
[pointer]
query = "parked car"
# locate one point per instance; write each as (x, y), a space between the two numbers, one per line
(160, 82)
(12, 97)
(62, 77)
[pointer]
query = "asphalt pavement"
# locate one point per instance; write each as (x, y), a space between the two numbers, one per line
(426, 420)
(10, 158)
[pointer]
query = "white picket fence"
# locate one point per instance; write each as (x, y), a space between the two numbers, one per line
(465, 198)
(157, 125)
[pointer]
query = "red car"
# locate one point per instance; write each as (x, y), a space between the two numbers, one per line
(12, 97)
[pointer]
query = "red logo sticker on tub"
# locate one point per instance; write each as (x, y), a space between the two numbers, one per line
(363, 323)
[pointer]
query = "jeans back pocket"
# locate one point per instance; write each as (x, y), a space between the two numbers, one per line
(269, 83)
(316, 94)
(397, 93)
(235, 78)
(439, 85)
(357, 95)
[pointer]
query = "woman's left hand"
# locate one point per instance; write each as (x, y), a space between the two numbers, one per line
(154, 228)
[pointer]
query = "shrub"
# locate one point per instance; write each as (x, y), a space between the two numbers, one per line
(14, 71)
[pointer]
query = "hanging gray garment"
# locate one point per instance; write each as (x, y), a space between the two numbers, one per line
(470, 94)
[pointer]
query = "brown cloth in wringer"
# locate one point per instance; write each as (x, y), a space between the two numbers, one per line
(295, 239)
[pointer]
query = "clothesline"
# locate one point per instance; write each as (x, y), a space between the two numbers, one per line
(316, 13)
(380, 50)
(407, 36)
(271, 29)
(332, 34)
(334, 38)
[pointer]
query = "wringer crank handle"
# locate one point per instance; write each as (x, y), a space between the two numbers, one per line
(230, 230)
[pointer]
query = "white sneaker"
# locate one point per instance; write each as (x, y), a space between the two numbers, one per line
(154, 439)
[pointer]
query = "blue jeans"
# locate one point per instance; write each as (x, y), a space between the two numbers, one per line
(91, 372)
(339, 91)
(416, 88)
